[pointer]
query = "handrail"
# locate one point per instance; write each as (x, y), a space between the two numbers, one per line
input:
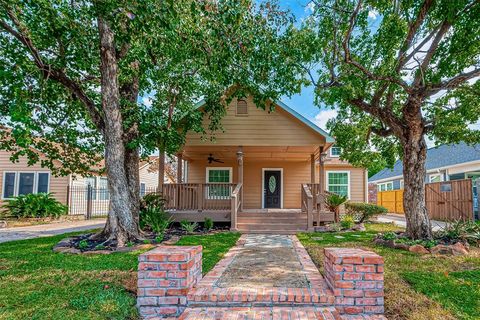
(308, 203)
(235, 205)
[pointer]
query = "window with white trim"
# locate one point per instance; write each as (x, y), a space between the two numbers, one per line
(103, 193)
(386, 186)
(402, 184)
(91, 182)
(339, 182)
(17, 183)
(222, 177)
(143, 189)
(437, 177)
(335, 151)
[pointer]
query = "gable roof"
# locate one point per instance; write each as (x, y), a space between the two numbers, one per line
(295, 114)
(442, 156)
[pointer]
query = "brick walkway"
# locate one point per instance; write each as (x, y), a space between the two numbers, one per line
(270, 298)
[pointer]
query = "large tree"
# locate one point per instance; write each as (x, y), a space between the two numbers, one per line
(72, 74)
(397, 72)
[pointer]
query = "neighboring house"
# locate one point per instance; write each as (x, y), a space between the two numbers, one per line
(444, 163)
(262, 161)
(17, 178)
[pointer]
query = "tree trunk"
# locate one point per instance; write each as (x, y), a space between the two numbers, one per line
(414, 157)
(122, 224)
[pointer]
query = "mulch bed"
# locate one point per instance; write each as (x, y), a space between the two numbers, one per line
(84, 244)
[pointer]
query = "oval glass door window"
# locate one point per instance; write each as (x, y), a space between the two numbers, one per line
(272, 184)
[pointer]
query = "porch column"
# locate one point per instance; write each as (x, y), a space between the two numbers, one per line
(179, 167)
(240, 173)
(161, 171)
(321, 167)
(312, 168)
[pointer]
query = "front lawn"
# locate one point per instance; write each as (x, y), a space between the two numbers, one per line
(36, 283)
(416, 287)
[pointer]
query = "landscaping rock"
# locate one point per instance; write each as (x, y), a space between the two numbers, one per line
(359, 227)
(418, 249)
(172, 240)
(459, 249)
(3, 224)
(97, 252)
(66, 250)
(441, 249)
(402, 246)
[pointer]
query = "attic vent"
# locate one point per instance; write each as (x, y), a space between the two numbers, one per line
(242, 108)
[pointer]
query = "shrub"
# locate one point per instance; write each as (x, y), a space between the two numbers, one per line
(333, 202)
(465, 231)
(39, 205)
(389, 236)
(152, 200)
(208, 224)
(364, 211)
(155, 218)
(188, 227)
(347, 221)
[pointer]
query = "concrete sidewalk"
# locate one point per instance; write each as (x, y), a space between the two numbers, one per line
(45, 230)
(399, 220)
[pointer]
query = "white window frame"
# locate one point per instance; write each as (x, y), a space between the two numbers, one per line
(281, 185)
(327, 183)
(334, 155)
(386, 184)
(230, 179)
(16, 185)
(434, 175)
(402, 184)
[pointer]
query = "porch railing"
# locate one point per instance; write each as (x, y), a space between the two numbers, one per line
(307, 205)
(198, 196)
(236, 204)
(319, 212)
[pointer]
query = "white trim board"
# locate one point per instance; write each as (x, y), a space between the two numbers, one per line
(263, 185)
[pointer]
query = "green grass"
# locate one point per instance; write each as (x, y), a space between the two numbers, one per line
(416, 287)
(36, 283)
(214, 247)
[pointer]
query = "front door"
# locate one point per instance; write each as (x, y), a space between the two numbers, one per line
(272, 189)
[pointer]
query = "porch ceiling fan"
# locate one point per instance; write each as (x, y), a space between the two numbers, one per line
(212, 159)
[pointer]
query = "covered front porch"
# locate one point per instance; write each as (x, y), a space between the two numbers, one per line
(249, 185)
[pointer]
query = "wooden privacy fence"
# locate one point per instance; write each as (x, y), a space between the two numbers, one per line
(447, 200)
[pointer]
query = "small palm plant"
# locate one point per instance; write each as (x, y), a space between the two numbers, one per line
(333, 202)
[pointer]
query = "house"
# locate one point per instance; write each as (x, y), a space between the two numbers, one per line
(446, 162)
(265, 171)
(18, 178)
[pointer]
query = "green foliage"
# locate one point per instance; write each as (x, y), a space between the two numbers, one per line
(188, 227)
(208, 224)
(373, 82)
(155, 218)
(347, 221)
(40, 205)
(426, 243)
(83, 244)
(152, 200)
(389, 236)
(465, 231)
(334, 201)
(159, 238)
(364, 211)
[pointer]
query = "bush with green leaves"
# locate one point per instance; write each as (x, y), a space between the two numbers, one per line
(39, 205)
(364, 211)
(347, 221)
(208, 224)
(464, 231)
(152, 200)
(155, 218)
(333, 202)
(389, 236)
(188, 227)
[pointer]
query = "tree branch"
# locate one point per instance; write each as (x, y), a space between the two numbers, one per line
(50, 72)
(382, 132)
(453, 82)
(348, 59)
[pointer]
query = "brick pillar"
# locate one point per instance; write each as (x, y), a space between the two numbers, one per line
(165, 275)
(356, 279)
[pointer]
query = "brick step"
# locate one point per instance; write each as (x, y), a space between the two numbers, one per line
(251, 297)
(273, 313)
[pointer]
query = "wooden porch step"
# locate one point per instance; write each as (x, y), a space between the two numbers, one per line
(271, 220)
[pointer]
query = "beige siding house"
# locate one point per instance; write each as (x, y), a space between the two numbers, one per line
(263, 167)
(18, 178)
